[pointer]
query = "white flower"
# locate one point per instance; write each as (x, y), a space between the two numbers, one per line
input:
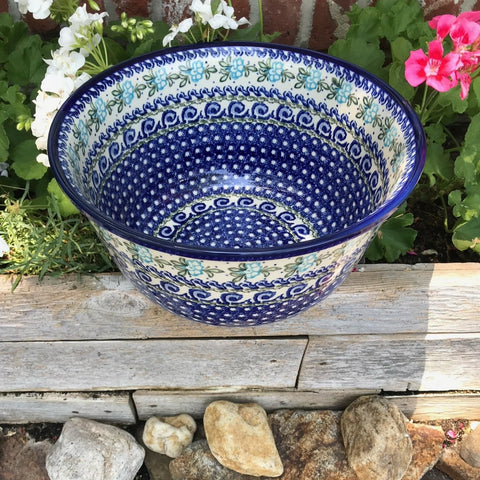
(43, 159)
(81, 18)
(202, 10)
(58, 84)
(80, 80)
(4, 248)
(65, 62)
(40, 9)
(4, 169)
(183, 27)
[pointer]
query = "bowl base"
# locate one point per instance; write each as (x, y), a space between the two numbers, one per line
(241, 220)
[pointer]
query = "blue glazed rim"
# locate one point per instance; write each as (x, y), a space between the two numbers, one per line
(241, 254)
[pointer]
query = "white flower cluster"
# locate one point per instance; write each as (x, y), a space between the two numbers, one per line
(63, 76)
(4, 248)
(40, 9)
(222, 17)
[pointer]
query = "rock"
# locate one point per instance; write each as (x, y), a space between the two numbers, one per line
(240, 438)
(310, 445)
(23, 458)
(169, 435)
(376, 439)
(455, 467)
(88, 449)
(196, 462)
(470, 448)
(427, 442)
(158, 465)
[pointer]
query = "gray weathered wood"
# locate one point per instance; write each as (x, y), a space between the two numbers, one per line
(165, 403)
(131, 365)
(59, 407)
(433, 362)
(388, 299)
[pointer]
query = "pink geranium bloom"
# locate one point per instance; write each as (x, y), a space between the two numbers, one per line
(444, 23)
(437, 71)
(464, 33)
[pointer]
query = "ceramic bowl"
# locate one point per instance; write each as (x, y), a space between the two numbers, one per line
(236, 184)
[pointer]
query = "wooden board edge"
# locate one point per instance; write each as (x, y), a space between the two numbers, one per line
(56, 407)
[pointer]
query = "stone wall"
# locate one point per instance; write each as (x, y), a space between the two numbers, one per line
(308, 23)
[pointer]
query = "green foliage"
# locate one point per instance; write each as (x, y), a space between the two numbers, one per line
(43, 242)
(394, 238)
(380, 39)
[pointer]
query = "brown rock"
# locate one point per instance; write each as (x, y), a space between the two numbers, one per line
(23, 458)
(376, 439)
(196, 462)
(470, 448)
(427, 442)
(310, 445)
(240, 438)
(455, 467)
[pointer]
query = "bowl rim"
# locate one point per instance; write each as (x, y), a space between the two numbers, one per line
(214, 253)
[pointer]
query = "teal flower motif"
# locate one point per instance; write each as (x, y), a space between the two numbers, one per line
(237, 68)
(160, 78)
(307, 263)
(252, 270)
(100, 109)
(194, 268)
(370, 113)
(311, 82)
(275, 72)
(197, 71)
(128, 92)
(144, 254)
(344, 92)
(83, 133)
(390, 136)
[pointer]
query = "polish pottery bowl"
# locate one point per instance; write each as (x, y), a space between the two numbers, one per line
(236, 184)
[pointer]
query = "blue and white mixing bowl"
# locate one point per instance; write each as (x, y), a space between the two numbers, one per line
(236, 184)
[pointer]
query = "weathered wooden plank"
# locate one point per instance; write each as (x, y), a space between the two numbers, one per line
(59, 407)
(165, 403)
(433, 362)
(425, 298)
(132, 365)
(434, 406)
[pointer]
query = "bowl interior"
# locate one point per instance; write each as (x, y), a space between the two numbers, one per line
(235, 146)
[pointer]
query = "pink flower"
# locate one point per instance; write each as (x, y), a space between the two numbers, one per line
(437, 71)
(444, 23)
(464, 33)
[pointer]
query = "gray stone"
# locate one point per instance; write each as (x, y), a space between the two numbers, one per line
(376, 439)
(87, 450)
(196, 462)
(240, 438)
(470, 448)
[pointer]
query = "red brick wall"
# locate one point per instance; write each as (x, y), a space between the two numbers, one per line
(309, 23)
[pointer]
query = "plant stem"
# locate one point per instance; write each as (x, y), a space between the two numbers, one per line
(445, 210)
(260, 20)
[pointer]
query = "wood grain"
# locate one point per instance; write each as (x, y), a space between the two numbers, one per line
(388, 299)
(136, 364)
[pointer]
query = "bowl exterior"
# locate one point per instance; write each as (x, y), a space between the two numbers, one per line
(235, 293)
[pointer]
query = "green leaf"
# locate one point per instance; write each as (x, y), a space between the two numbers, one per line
(394, 238)
(467, 165)
(24, 163)
(396, 78)
(365, 24)
(366, 55)
(452, 99)
(438, 164)
(473, 132)
(398, 17)
(467, 235)
(4, 144)
(65, 206)
(31, 69)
